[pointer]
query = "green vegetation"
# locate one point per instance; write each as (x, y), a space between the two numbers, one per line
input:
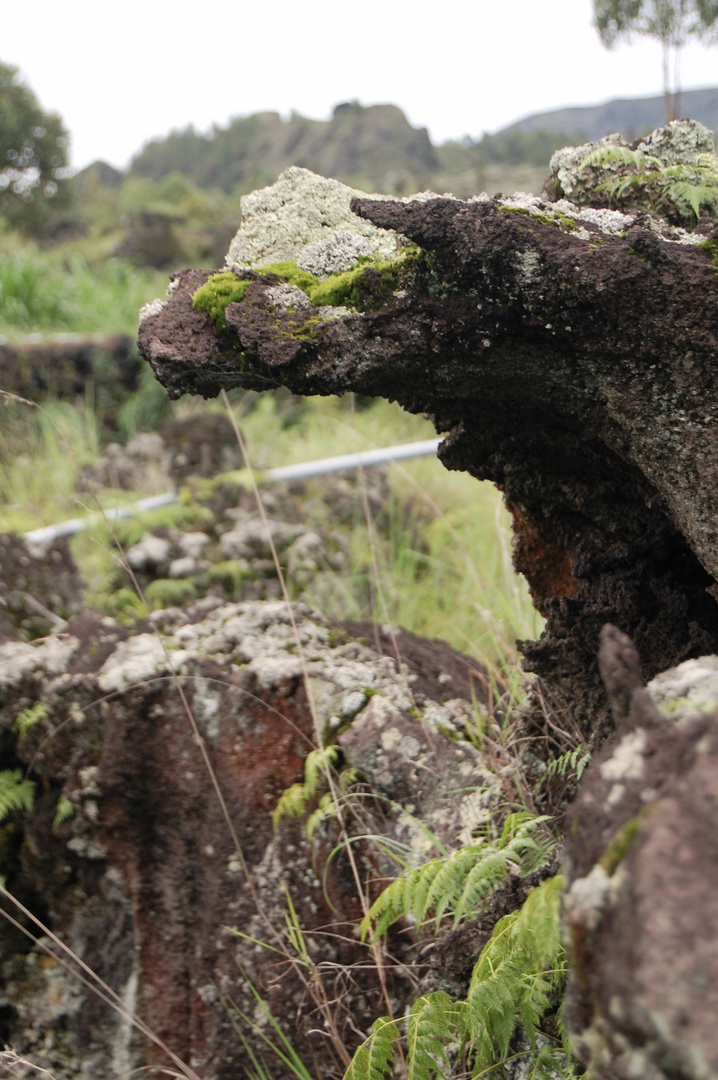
(459, 884)
(33, 153)
(352, 288)
(217, 293)
(638, 180)
(38, 294)
(622, 842)
(514, 990)
(671, 23)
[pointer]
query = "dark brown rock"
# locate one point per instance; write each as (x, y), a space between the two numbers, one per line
(63, 365)
(572, 362)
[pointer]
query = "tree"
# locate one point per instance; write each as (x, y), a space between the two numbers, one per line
(33, 155)
(673, 22)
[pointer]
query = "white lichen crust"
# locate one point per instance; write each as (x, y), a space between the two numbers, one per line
(305, 218)
(690, 688)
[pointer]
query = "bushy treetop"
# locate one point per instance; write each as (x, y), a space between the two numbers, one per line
(33, 154)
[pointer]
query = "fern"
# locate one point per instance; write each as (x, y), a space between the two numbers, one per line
(16, 792)
(520, 968)
(687, 188)
(374, 1060)
(293, 801)
(574, 760)
(64, 810)
(434, 1024)
(516, 980)
(459, 884)
(31, 716)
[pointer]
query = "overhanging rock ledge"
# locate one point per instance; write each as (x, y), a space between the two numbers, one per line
(568, 354)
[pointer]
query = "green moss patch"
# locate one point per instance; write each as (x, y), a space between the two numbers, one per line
(168, 592)
(352, 288)
(711, 249)
(622, 842)
(216, 293)
(554, 218)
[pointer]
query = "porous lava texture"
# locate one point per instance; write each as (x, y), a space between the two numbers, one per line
(642, 875)
(570, 357)
(165, 897)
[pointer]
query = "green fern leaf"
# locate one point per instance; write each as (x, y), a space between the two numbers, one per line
(316, 765)
(291, 803)
(64, 810)
(520, 967)
(31, 716)
(16, 792)
(434, 1023)
(484, 877)
(374, 1060)
(446, 886)
(420, 884)
(326, 810)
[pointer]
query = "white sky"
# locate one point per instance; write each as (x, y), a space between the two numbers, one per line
(122, 72)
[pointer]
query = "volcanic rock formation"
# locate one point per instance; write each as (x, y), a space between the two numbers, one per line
(568, 354)
(166, 886)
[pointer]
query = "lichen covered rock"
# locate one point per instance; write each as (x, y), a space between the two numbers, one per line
(639, 907)
(307, 219)
(165, 896)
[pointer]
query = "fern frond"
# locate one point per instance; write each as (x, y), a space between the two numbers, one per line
(316, 765)
(64, 810)
(31, 716)
(520, 967)
(291, 803)
(16, 792)
(294, 799)
(459, 884)
(434, 1023)
(447, 884)
(694, 197)
(573, 760)
(404, 895)
(326, 810)
(614, 155)
(374, 1060)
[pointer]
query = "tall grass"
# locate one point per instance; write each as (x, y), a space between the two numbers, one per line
(39, 296)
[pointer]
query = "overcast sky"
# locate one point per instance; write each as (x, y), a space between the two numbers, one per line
(121, 73)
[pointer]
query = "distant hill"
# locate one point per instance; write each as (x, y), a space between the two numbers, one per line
(372, 147)
(631, 117)
(375, 148)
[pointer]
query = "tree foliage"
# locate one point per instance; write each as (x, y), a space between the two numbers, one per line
(672, 22)
(33, 155)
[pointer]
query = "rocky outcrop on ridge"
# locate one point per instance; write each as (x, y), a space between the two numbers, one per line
(567, 353)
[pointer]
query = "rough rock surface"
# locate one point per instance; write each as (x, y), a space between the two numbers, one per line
(570, 355)
(63, 365)
(642, 864)
(582, 173)
(145, 880)
(39, 589)
(307, 221)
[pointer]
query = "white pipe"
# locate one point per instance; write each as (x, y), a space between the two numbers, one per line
(322, 467)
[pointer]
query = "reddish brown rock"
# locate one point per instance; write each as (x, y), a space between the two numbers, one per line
(146, 879)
